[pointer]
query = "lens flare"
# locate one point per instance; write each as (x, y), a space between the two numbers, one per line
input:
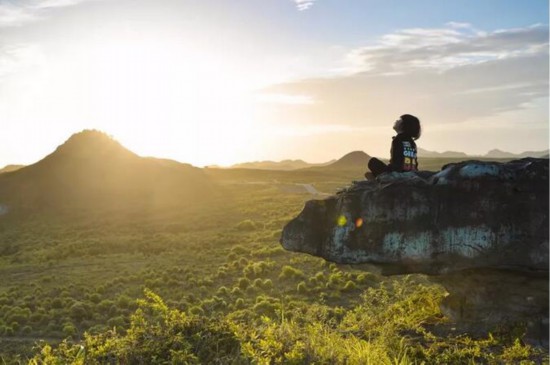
(358, 222)
(342, 220)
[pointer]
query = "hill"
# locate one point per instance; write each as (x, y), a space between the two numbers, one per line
(352, 160)
(496, 153)
(10, 168)
(92, 170)
(447, 154)
(492, 154)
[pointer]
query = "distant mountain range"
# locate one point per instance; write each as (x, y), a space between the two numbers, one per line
(495, 153)
(92, 170)
(94, 155)
(360, 158)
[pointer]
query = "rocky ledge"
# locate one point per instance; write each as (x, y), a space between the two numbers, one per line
(478, 228)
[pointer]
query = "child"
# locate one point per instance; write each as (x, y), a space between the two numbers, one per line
(403, 148)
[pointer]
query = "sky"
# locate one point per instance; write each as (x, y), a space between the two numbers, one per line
(220, 82)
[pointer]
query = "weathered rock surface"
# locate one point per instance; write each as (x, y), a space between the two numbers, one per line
(479, 228)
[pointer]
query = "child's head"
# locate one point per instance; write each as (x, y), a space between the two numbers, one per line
(409, 125)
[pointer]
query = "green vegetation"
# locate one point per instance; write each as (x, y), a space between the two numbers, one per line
(211, 285)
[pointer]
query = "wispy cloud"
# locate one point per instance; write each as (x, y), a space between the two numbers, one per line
(304, 4)
(14, 13)
(449, 75)
(446, 48)
(18, 57)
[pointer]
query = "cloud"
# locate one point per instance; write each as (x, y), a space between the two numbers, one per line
(16, 14)
(445, 75)
(446, 48)
(18, 57)
(304, 4)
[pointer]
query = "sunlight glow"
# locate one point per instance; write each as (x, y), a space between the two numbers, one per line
(187, 98)
(157, 97)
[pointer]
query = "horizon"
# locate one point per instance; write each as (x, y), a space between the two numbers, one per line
(221, 84)
(333, 159)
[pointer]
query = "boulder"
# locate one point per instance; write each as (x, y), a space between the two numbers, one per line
(478, 228)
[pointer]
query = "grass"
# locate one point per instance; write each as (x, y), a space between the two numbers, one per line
(211, 284)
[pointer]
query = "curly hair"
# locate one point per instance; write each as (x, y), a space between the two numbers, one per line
(411, 126)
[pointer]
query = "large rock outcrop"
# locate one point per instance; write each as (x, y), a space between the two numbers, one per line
(478, 228)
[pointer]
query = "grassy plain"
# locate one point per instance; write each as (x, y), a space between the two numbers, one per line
(211, 284)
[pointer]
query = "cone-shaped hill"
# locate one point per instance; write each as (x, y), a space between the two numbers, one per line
(352, 160)
(92, 170)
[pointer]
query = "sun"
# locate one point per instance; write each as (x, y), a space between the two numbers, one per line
(166, 98)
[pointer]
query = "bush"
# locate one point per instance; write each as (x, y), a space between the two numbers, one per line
(57, 302)
(267, 284)
(239, 303)
(222, 290)
(196, 310)
(79, 311)
(236, 291)
(69, 330)
(246, 225)
(265, 308)
(157, 335)
(94, 298)
(289, 272)
(367, 278)
(123, 301)
(350, 285)
(302, 288)
(243, 283)
(238, 249)
(117, 321)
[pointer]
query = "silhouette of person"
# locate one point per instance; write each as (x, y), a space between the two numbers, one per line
(403, 148)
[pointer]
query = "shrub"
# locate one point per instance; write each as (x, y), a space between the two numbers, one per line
(239, 303)
(57, 302)
(255, 269)
(196, 310)
(335, 280)
(350, 285)
(246, 225)
(105, 305)
(36, 317)
(222, 290)
(117, 321)
(8, 331)
(267, 284)
(243, 283)
(238, 249)
(289, 272)
(79, 311)
(94, 298)
(123, 301)
(302, 288)
(177, 339)
(236, 291)
(69, 330)
(265, 308)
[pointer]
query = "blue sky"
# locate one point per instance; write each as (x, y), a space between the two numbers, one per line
(220, 82)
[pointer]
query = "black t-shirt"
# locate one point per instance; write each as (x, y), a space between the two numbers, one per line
(403, 154)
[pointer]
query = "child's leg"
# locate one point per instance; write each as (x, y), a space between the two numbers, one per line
(377, 167)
